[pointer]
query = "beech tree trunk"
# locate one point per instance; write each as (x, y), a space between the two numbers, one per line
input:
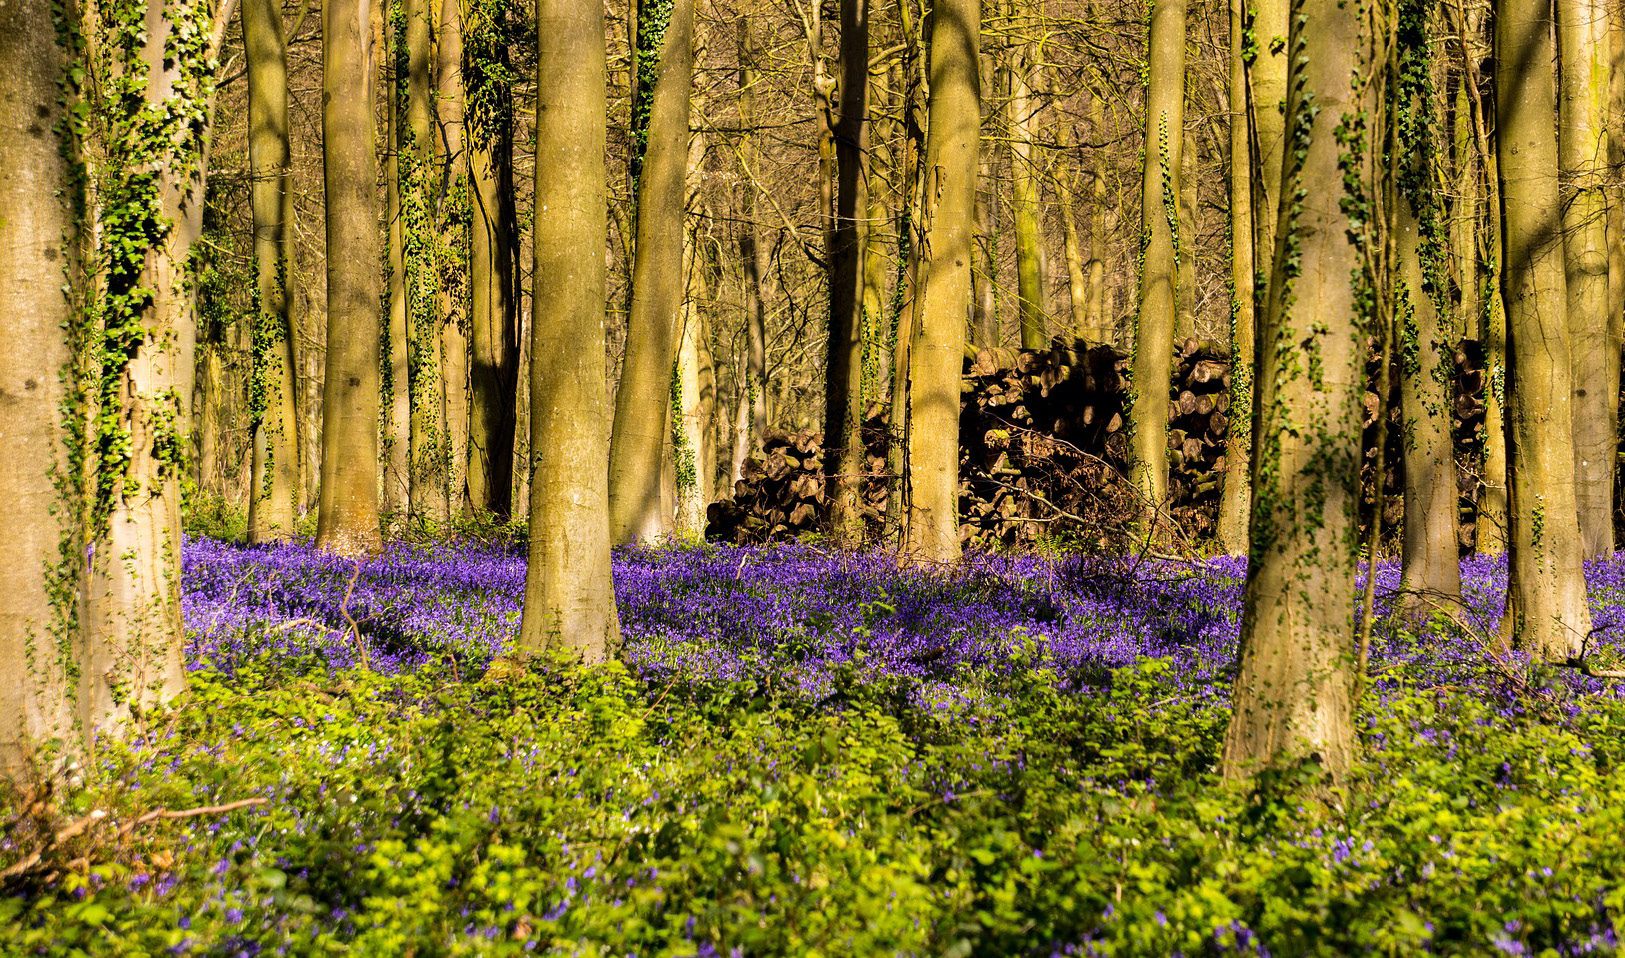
(1024, 190)
(493, 304)
(1594, 331)
(347, 519)
(1431, 576)
(1546, 611)
(453, 231)
(936, 354)
(1293, 694)
(41, 579)
(426, 388)
(843, 382)
(753, 262)
(1159, 205)
(641, 440)
(1236, 502)
(397, 376)
(274, 487)
(569, 589)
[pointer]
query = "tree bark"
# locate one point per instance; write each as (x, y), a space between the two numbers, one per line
(1594, 332)
(1546, 611)
(274, 486)
(843, 381)
(641, 439)
(453, 231)
(1025, 199)
(1159, 199)
(569, 589)
(1431, 573)
(347, 511)
(1236, 502)
(1293, 692)
(396, 395)
(936, 354)
(426, 388)
(493, 308)
(42, 579)
(753, 261)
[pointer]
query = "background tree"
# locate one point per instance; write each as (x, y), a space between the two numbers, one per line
(274, 486)
(640, 440)
(347, 517)
(935, 355)
(1235, 509)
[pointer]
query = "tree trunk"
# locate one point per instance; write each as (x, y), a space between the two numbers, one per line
(41, 581)
(753, 260)
(347, 520)
(1293, 691)
(1266, 87)
(1101, 319)
(1546, 611)
(453, 232)
(843, 382)
(569, 589)
(1077, 287)
(1025, 199)
(1236, 503)
(1431, 576)
(641, 442)
(936, 354)
(493, 307)
(1185, 185)
(427, 453)
(1159, 198)
(694, 454)
(1594, 333)
(396, 394)
(274, 487)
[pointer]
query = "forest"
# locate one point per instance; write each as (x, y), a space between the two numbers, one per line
(812, 477)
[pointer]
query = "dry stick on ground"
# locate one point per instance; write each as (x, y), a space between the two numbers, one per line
(355, 628)
(86, 823)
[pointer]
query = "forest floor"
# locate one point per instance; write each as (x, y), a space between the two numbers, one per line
(813, 753)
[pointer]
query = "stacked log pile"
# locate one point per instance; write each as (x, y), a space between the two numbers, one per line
(1044, 453)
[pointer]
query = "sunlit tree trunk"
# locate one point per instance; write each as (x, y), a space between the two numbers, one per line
(569, 590)
(1100, 319)
(453, 230)
(753, 261)
(1024, 190)
(1431, 576)
(1185, 187)
(347, 519)
(41, 579)
(1236, 502)
(1594, 332)
(493, 305)
(843, 381)
(1546, 611)
(1266, 86)
(1159, 199)
(1066, 198)
(427, 452)
(274, 487)
(694, 459)
(396, 373)
(931, 531)
(1293, 692)
(641, 443)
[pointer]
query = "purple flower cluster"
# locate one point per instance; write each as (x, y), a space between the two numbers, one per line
(789, 617)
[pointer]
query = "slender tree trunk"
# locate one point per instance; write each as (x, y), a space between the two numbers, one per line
(936, 355)
(493, 307)
(569, 589)
(1154, 330)
(1594, 333)
(274, 488)
(1236, 502)
(984, 314)
(1077, 288)
(1100, 318)
(641, 443)
(694, 458)
(843, 382)
(427, 452)
(752, 257)
(396, 396)
(1465, 214)
(454, 229)
(1266, 87)
(1431, 577)
(347, 511)
(1024, 190)
(1293, 692)
(1546, 611)
(42, 578)
(1185, 186)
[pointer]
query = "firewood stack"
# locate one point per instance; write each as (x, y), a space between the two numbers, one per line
(1198, 424)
